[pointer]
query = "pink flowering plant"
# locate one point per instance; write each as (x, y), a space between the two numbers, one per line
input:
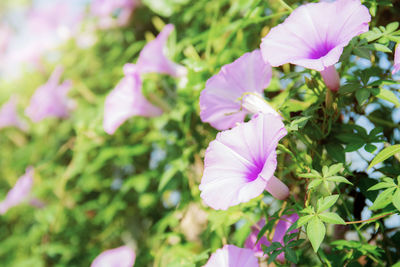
(221, 133)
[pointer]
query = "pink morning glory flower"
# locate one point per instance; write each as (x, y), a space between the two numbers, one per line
(283, 225)
(152, 58)
(240, 163)
(232, 256)
(50, 99)
(118, 257)
(126, 100)
(106, 9)
(9, 116)
(396, 66)
(19, 193)
(314, 35)
(236, 91)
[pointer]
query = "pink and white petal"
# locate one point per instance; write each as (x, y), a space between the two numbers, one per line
(312, 31)
(232, 256)
(20, 192)
(125, 101)
(249, 72)
(219, 101)
(152, 58)
(283, 225)
(118, 257)
(120, 104)
(351, 19)
(9, 115)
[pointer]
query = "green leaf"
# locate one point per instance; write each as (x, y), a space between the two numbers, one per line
(338, 179)
(362, 95)
(326, 202)
(308, 210)
(295, 243)
(381, 186)
(391, 27)
(274, 254)
(383, 199)
(287, 238)
(349, 88)
(397, 264)
(380, 47)
(388, 95)
(291, 255)
(396, 199)
(304, 219)
(314, 183)
(370, 148)
(262, 232)
(312, 174)
(334, 169)
(336, 151)
(316, 232)
(384, 154)
(331, 217)
(272, 247)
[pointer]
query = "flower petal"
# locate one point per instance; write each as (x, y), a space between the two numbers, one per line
(232, 256)
(219, 101)
(237, 163)
(50, 99)
(9, 115)
(152, 57)
(118, 257)
(125, 101)
(20, 192)
(314, 35)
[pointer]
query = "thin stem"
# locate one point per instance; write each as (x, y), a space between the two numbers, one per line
(349, 214)
(283, 3)
(372, 219)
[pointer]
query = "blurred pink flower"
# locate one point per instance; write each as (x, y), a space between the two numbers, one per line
(283, 225)
(232, 256)
(118, 257)
(5, 35)
(236, 91)
(240, 163)
(396, 66)
(152, 58)
(126, 100)
(105, 10)
(20, 192)
(9, 115)
(50, 99)
(44, 28)
(314, 35)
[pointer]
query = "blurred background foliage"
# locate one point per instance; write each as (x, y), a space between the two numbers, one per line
(140, 185)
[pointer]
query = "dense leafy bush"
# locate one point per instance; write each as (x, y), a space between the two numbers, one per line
(140, 186)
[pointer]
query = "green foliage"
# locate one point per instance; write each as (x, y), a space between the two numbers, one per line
(140, 185)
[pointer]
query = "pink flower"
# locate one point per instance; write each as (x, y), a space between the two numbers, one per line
(118, 257)
(19, 193)
(152, 58)
(127, 100)
(9, 115)
(314, 35)
(232, 256)
(106, 9)
(283, 225)
(236, 91)
(396, 66)
(240, 163)
(50, 99)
